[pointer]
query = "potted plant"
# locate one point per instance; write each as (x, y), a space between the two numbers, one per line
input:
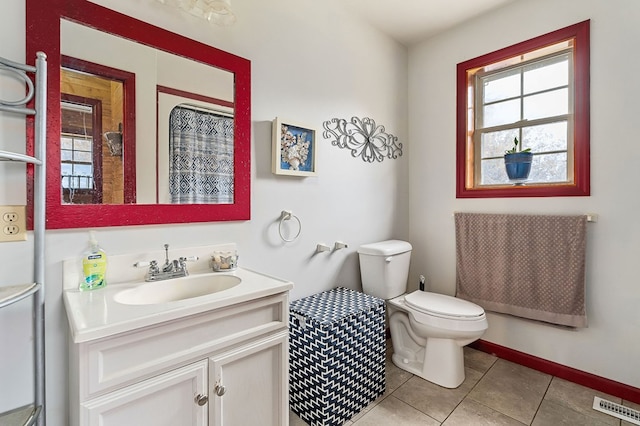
(518, 162)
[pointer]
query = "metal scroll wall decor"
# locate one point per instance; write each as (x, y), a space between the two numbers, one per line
(363, 137)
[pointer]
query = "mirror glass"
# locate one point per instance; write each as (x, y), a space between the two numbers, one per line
(151, 127)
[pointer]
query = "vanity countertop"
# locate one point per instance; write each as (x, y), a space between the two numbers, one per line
(96, 314)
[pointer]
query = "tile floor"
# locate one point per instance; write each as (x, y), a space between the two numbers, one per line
(495, 392)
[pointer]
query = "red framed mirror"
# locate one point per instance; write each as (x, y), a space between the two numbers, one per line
(44, 21)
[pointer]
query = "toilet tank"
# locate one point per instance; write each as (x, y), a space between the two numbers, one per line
(384, 268)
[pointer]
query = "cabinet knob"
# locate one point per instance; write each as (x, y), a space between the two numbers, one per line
(201, 399)
(220, 390)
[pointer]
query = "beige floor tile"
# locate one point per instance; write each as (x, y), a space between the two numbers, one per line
(512, 389)
(434, 400)
(554, 414)
(471, 413)
(366, 409)
(478, 360)
(393, 412)
(294, 420)
(495, 393)
(580, 399)
(395, 376)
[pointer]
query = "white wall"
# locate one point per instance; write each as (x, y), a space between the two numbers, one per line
(609, 347)
(310, 62)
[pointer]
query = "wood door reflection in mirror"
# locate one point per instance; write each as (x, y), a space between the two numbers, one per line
(101, 92)
(80, 149)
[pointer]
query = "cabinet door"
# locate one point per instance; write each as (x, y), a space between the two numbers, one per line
(249, 385)
(170, 399)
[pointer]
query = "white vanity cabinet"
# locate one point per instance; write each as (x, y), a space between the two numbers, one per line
(164, 400)
(223, 367)
(249, 385)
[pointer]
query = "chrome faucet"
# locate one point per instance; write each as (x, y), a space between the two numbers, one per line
(170, 269)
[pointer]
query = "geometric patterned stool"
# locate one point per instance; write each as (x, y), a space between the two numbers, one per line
(336, 355)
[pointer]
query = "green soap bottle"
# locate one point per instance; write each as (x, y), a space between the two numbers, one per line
(94, 266)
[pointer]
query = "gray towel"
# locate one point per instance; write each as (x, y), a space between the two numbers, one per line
(532, 266)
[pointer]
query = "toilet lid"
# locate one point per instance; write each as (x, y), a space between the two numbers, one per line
(443, 305)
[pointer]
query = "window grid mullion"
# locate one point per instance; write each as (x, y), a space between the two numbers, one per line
(525, 123)
(555, 151)
(528, 95)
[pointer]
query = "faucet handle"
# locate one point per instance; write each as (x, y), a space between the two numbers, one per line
(153, 265)
(183, 260)
(183, 263)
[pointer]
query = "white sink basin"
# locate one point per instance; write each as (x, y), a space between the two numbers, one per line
(176, 289)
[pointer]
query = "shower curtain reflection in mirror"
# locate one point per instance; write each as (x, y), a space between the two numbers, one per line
(201, 156)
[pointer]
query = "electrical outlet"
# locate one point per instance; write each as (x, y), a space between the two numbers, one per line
(10, 217)
(13, 224)
(11, 230)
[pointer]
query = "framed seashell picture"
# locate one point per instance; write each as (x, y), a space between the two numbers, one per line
(294, 149)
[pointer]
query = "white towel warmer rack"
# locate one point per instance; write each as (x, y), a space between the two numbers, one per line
(31, 413)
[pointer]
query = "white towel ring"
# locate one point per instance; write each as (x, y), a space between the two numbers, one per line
(286, 215)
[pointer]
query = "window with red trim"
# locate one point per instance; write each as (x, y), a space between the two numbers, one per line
(538, 92)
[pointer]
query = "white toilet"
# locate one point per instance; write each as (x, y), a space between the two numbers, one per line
(428, 330)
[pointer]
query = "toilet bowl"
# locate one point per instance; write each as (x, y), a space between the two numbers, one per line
(428, 342)
(428, 330)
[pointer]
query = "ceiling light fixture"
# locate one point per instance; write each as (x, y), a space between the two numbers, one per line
(216, 11)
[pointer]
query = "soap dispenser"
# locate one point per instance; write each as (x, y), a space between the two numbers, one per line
(94, 266)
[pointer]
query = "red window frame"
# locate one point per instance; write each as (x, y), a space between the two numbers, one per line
(465, 188)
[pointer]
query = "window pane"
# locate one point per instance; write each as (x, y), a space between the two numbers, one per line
(83, 157)
(83, 170)
(65, 169)
(501, 86)
(66, 155)
(493, 172)
(82, 144)
(549, 168)
(494, 144)
(65, 143)
(545, 75)
(501, 113)
(545, 138)
(547, 104)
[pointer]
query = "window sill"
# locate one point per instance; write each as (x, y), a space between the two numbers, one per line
(533, 190)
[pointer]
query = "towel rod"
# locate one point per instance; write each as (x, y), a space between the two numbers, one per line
(591, 217)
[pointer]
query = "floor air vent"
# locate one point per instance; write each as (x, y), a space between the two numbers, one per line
(617, 410)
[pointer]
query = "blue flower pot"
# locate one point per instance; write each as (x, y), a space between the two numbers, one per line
(518, 165)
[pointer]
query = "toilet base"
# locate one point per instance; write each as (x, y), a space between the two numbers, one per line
(442, 363)
(435, 359)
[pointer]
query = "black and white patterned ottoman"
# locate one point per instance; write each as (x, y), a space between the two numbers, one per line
(337, 355)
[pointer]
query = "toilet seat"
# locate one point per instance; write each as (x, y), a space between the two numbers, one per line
(443, 306)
